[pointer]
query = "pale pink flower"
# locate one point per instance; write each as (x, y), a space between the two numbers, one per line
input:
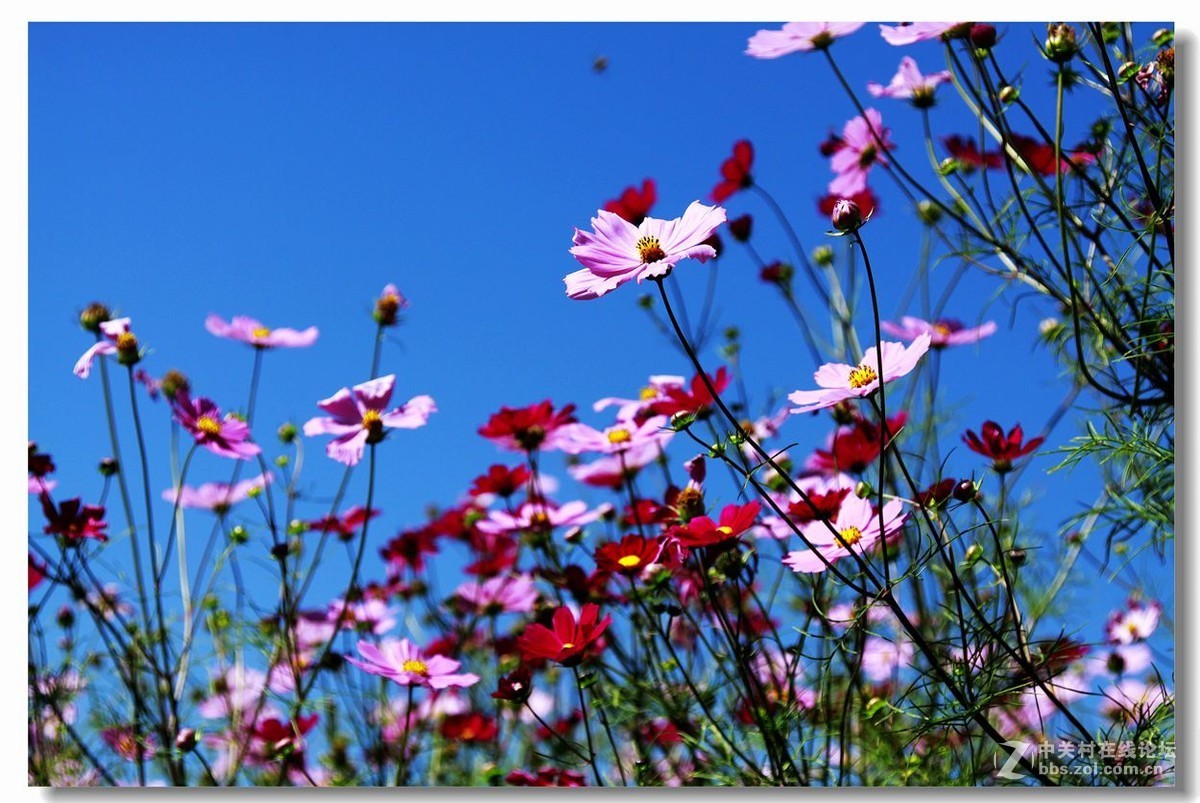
(515, 594)
(883, 658)
(864, 143)
(908, 33)
(942, 332)
(368, 615)
(38, 485)
(909, 84)
(248, 330)
(655, 390)
(840, 382)
(620, 437)
(798, 37)
(115, 334)
(1131, 700)
(616, 251)
(608, 471)
(1120, 659)
(234, 690)
(216, 496)
(854, 528)
(1135, 623)
(359, 417)
(537, 515)
(403, 663)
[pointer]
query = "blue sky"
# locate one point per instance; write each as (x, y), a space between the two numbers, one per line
(288, 172)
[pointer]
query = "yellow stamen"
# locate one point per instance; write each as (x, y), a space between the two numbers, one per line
(619, 436)
(725, 530)
(208, 425)
(629, 561)
(568, 645)
(941, 329)
(260, 331)
(650, 249)
(647, 393)
(850, 536)
(126, 341)
(862, 376)
(371, 419)
(415, 666)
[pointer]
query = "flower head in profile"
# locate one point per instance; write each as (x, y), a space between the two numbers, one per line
(735, 171)
(403, 662)
(227, 436)
(864, 143)
(568, 641)
(855, 528)
(359, 416)
(942, 332)
(968, 156)
(389, 305)
(344, 526)
(616, 251)
(126, 743)
(216, 496)
(527, 429)
(634, 204)
(620, 437)
(907, 33)
(1001, 449)
(515, 594)
(1038, 157)
(840, 382)
(854, 447)
(248, 330)
(702, 531)
(909, 84)
(798, 37)
(116, 338)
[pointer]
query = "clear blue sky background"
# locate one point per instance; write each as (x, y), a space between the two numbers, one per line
(288, 172)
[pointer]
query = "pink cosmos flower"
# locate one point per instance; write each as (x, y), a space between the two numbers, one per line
(125, 742)
(227, 436)
(117, 338)
(217, 496)
(840, 382)
(609, 471)
(359, 418)
(1135, 623)
(911, 32)
(942, 332)
(369, 615)
(1131, 700)
(857, 526)
(515, 594)
(863, 138)
(237, 689)
(655, 390)
(883, 658)
(1120, 659)
(620, 437)
(798, 37)
(616, 251)
(909, 84)
(537, 515)
(249, 330)
(402, 662)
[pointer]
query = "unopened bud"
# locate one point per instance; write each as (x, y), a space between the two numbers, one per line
(1009, 94)
(239, 534)
(287, 432)
(964, 491)
(983, 36)
(1017, 556)
(846, 216)
(740, 228)
(1060, 42)
(109, 467)
(929, 212)
(823, 256)
(185, 740)
(93, 315)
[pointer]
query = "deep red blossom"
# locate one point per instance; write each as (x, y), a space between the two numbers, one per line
(515, 686)
(277, 735)
(854, 448)
(347, 525)
(40, 464)
(646, 511)
(661, 732)
(74, 521)
(568, 642)
(937, 494)
(832, 144)
(469, 728)
(702, 531)
(495, 554)
(777, 273)
(1001, 449)
(408, 550)
(500, 480)
(694, 399)
(740, 228)
(1039, 156)
(866, 201)
(526, 428)
(37, 572)
(546, 776)
(630, 557)
(735, 171)
(965, 152)
(457, 522)
(633, 204)
(818, 506)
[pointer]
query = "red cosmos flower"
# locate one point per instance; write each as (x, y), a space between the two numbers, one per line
(566, 643)
(583, 587)
(818, 507)
(735, 171)
(500, 480)
(470, 728)
(546, 776)
(37, 573)
(277, 735)
(866, 201)
(740, 228)
(695, 400)
(346, 526)
(1000, 448)
(408, 550)
(965, 152)
(515, 686)
(1039, 156)
(634, 206)
(646, 511)
(854, 448)
(40, 464)
(496, 552)
(703, 531)
(629, 557)
(937, 494)
(525, 429)
(74, 521)
(832, 144)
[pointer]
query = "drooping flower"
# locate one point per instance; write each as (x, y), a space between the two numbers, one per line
(402, 662)
(855, 528)
(227, 436)
(249, 330)
(1001, 449)
(116, 339)
(702, 531)
(526, 429)
(74, 521)
(864, 143)
(1135, 623)
(359, 417)
(942, 332)
(515, 686)
(866, 201)
(567, 643)
(634, 205)
(616, 251)
(798, 37)
(735, 171)
(630, 556)
(840, 382)
(909, 84)
(216, 496)
(907, 33)
(389, 305)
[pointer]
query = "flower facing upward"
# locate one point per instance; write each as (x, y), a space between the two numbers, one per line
(360, 417)
(248, 330)
(864, 143)
(702, 531)
(1000, 448)
(840, 382)
(116, 339)
(629, 557)
(1136, 623)
(567, 642)
(227, 436)
(634, 205)
(854, 528)
(908, 83)
(735, 171)
(798, 37)
(942, 332)
(616, 251)
(403, 663)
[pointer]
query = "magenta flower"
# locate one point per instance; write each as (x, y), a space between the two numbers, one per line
(402, 662)
(908, 33)
(798, 37)
(248, 330)
(359, 418)
(227, 436)
(117, 339)
(942, 332)
(909, 84)
(216, 496)
(538, 516)
(864, 142)
(857, 529)
(840, 382)
(616, 251)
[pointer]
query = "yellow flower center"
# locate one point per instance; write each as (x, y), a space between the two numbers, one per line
(126, 341)
(725, 530)
(415, 666)
(260, 331)
(821, 40)
(619, 436)
(850, 536)
(647, 393)
(372, 419)
(568, 645)
(539, 519)
(208, 425)
(629, 561)
(862, 376)
(941, 329)
(650, 249)
(867, 156)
